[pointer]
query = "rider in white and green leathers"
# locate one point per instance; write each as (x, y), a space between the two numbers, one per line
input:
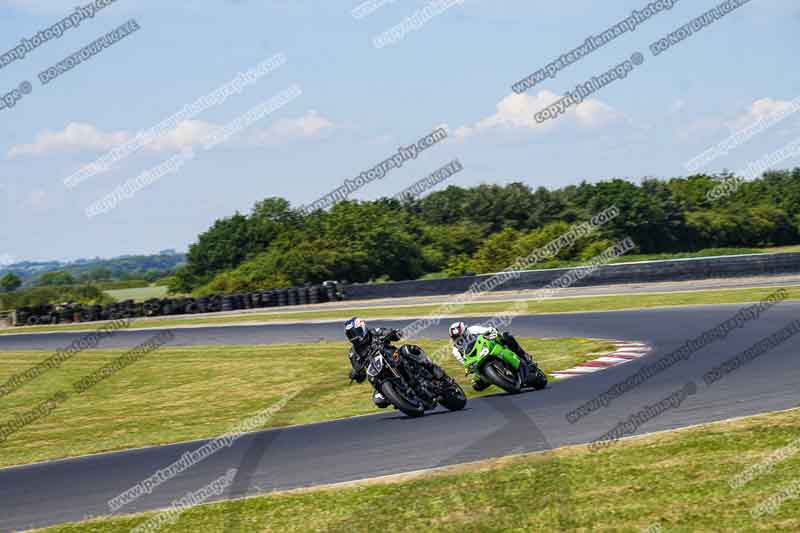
(460, 334)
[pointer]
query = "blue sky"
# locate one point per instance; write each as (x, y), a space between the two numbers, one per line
(359, 103)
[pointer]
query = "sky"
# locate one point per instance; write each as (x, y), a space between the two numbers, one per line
(358, 102)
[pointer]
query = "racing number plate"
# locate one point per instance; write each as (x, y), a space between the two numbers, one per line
(375, 367)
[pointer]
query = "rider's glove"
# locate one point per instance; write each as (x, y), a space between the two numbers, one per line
(493, 334)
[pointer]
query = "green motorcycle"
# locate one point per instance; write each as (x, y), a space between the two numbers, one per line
(494, 363)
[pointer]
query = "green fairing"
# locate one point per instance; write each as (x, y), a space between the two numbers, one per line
(484, 350)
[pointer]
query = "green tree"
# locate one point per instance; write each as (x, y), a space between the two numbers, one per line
(440, 243)
(154, 274)
(649, 213)
(55, 279)
(10, 282)
(496, 253)
(223, 246)
(99, 274)
(712, 229)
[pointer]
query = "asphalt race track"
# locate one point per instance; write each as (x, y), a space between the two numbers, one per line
(388, 443)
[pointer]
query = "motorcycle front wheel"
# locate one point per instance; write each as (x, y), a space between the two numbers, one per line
(538, 380)
(497, 374)
(411, 407)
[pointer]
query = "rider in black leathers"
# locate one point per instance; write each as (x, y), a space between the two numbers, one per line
(365, 341)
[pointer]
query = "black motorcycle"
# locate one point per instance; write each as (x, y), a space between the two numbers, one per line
(402, 375)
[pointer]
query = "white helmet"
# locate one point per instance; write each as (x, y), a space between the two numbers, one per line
(457, 329)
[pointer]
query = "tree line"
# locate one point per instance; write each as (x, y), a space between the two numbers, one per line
(480, 229)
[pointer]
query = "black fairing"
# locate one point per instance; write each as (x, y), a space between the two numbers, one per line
(414, 353)
(409, 362)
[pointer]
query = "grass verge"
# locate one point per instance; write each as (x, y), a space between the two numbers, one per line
(554, 305)
(138, 294)
(177, 394)
(676, 482)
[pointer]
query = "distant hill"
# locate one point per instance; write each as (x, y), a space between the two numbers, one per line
(123, 267)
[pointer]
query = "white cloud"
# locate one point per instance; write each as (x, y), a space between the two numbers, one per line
(86, 137)
(76, 136)
(516, 111)
(380, 140)
(187, 134)
(36, 200)
(7, 259)
(703, 126)
(463, 132)
(758, 110)
(677, 106)
(312, 124)
(594, 114)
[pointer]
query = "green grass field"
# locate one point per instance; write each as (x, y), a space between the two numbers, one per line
(554, 305)
(177, 394)
(783, 249)
(630, 258)
(668, 482)
(708, 252)
(139, 294)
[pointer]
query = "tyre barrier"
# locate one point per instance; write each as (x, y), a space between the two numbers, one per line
(313, 294)
(282, 297)
(268, 298)
(330, 293)
(214, 303)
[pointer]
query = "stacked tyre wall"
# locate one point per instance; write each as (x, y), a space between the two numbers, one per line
(72, 313)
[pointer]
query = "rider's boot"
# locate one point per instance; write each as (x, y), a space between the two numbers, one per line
(478, 384)
(380, 400)
(511, 343)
